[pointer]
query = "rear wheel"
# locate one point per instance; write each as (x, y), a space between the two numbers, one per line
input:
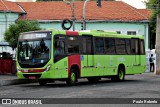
(120, 76)
(72, 79)
(93, 79)
(42, 82)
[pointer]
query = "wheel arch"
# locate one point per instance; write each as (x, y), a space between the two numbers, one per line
(122, 66)
(76, 67)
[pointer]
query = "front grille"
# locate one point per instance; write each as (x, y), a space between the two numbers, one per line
(37, 76)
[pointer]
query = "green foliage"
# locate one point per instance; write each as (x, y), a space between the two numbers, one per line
(153, 20)
(12, 33)
(154, 6)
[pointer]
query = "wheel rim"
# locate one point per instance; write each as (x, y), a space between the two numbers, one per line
(73, 77)
(121, 75)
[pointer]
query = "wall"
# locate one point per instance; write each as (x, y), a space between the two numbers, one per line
(5, 20)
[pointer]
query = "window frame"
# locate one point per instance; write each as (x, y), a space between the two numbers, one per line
(131, 33)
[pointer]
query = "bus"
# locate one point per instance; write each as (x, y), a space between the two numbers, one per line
(69, 55)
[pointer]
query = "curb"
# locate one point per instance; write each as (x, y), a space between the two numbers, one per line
(15, 81)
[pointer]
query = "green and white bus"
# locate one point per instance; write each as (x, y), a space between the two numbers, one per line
(69, 55)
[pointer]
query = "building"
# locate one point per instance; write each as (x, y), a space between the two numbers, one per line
(9, 13)
(112, 16)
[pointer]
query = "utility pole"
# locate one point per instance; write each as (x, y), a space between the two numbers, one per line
(157, 65)
(84, 15)
(73, 16)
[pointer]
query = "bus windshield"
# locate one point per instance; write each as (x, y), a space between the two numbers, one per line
(34, 53)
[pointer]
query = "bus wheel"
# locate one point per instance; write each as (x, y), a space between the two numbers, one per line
(93, 79)
(72, 79)
(120, 76)
(42, 82)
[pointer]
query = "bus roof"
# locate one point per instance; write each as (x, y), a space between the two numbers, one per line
(98, 33)
(101, 33)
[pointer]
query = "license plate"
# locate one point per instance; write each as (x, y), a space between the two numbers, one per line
(32, 77)
(26, 70)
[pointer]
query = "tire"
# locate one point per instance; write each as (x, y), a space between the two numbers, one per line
(42, 82)
(71, 81)
(120, 76)
(93, 79)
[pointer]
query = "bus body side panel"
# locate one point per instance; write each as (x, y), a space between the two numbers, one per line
(87, 67)
(110, 65)
(128, 64)
(143, 63)
(73, 59)
(60, 67)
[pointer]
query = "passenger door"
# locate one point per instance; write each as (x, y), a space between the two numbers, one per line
(135, 48)
(87, 58)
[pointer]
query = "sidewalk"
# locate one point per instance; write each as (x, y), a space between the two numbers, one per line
(10, 79)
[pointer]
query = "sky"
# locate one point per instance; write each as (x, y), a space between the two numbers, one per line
(135, 3)
(139, 4)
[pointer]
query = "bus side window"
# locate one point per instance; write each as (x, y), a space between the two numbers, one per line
(73, 44)
(59, 48)
(86, 45)
(120, 46)
(142, 49)
(133, 50)
(128, 46)
(89, 45)
(99, 45)
(110, 45)
(135, 46)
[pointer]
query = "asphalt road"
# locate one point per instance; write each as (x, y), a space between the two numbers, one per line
(145, 85)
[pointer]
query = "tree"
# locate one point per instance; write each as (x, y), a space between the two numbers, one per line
(154, 5)
(12, 33)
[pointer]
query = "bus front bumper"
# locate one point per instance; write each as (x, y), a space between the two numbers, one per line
(42, 75)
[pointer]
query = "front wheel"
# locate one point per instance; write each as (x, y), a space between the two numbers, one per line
(72, 79)
(42, 82)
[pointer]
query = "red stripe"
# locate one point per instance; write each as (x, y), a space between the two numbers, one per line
(71, 33)
(73, 59)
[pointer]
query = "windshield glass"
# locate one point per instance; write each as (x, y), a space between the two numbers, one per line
(34, 53)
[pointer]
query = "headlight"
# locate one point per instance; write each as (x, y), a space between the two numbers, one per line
(18, 69)
(47, 68)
